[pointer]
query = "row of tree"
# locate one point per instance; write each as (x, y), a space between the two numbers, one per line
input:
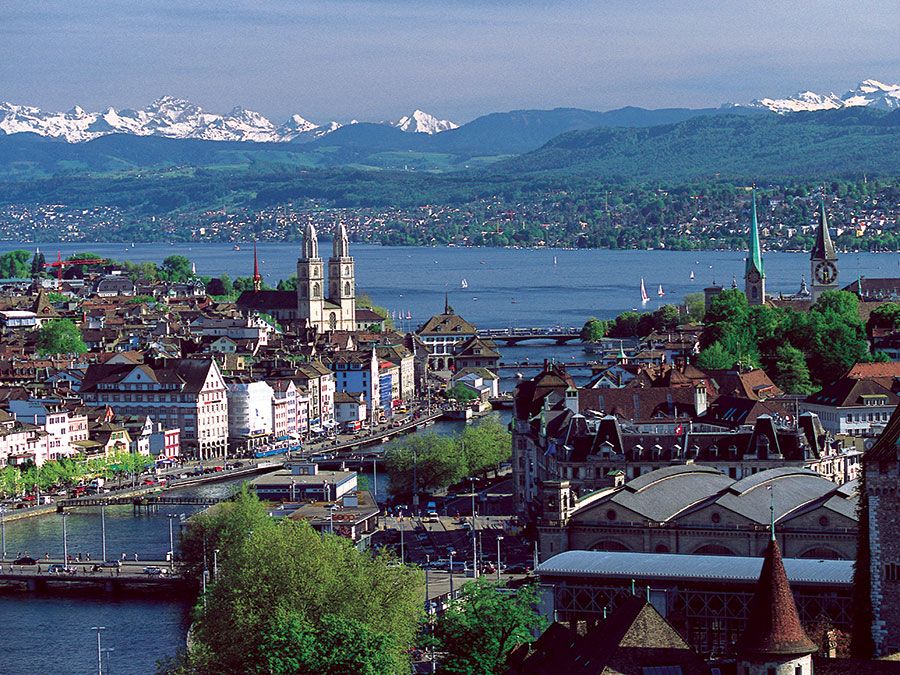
(632, 324)
(428, 462)
(68, 472)
(288, 600)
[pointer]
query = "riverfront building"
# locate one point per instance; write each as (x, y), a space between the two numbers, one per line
(188, 394)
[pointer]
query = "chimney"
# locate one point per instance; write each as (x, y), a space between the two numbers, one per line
(700, 398)
(572, 400)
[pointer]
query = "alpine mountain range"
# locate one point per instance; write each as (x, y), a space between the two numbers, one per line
(172, 117)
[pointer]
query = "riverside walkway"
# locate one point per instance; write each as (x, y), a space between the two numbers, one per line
(129, 576)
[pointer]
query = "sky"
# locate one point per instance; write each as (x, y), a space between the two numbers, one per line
(458, 59)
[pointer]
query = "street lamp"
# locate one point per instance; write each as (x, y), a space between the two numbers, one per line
(172, 517)
(99, 651)
(499, 539)
(103, 529)
(451, 552)
(65, 540)
(215, 563)
(3, 531)
(107, 650)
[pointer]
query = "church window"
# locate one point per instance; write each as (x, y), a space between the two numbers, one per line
(347, 288)
(332, 321)
(347, 270)
(316, 291)
(611, 515)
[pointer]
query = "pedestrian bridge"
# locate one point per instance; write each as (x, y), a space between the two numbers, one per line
(512, 336)
(140, 501)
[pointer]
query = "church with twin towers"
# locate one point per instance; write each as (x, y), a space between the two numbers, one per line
(326, 295)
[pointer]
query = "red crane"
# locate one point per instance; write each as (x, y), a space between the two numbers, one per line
(59, 263)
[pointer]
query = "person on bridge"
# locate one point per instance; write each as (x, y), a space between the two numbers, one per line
(135, 557)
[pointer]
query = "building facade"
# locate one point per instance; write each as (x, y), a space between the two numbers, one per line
(326, 304)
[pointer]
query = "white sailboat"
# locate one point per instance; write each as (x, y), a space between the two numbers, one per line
(660, 292)
(644, 297)
(692, 275)
(464, 284)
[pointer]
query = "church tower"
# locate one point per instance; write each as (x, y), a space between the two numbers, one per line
(754, 274)
(310, 281)
(823, 259)
(342, 283)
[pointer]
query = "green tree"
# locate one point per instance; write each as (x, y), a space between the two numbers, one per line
(15, 264)
(886, 315)
(594, 330)
(288, 598)
(430, 460)
(485, 445)
(37, 264)
(790, 371)
(461, 393)
(696, 306)
(176, 268)
(626, 325)
(716, 357)
(479, 630)
(60, 336)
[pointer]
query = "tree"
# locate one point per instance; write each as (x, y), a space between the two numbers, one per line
(60, 336)
(790, 372)
(886, 315)
(37, 264)
(594, 330)
(176, 268)
(15, 264)
(626, 325)
(482, 627)
(716, 357)
(485, 445)
(429, 460)
(696, 306)
(290, 600)
(461, 393)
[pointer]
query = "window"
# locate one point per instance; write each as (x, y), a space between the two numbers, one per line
(611, 514)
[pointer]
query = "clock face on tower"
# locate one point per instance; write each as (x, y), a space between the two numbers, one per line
(753, 276)
(825, 273)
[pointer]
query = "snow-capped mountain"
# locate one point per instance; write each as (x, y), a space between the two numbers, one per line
(870, 93)
(423, 123)
(178, 118)
(167, 116)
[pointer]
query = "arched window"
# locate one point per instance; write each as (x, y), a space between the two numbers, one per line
(332, 321)
(317, 290)
(347, 290)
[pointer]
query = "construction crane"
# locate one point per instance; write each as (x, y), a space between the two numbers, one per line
(59, 263)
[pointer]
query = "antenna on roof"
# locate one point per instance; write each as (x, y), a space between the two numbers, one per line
(772, 510)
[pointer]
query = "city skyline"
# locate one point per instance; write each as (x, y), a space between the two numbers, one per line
(378, 61)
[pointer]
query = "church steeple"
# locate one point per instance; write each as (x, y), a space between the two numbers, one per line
(341, 248)
(310, 243)
(823, 258)
(257, 277)
(754, 272)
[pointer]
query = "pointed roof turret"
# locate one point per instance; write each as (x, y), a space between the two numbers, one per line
(754, 259)
(341, 247)
(310, 243)
(823, 248)
(773, 624)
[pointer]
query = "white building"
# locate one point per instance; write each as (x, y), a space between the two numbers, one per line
(249, 412)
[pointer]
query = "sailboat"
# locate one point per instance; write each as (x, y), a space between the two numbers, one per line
(692, 275)
(408, 315)
(644, 297)
(464, 284)
(554, 260)
(660, 292)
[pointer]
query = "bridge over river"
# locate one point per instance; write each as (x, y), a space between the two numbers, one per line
(512, 336)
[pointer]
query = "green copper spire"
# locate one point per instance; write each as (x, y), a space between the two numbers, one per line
(754, 260)
(823, 248)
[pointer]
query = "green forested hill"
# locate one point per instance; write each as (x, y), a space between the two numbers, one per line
(805, 145)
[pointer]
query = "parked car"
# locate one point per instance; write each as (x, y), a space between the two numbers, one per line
(25, 560)
(154, 571)
(111, 563)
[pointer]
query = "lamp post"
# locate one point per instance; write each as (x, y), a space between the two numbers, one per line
(451, 552)
(99, 651)
(103, 530)
(172, 518)
(375, 479)
(107, 651)
(499, 539)
(3, 531)
(215, 563)
(65, 540)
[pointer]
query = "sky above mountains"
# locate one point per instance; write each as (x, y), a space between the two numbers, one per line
(378, 59)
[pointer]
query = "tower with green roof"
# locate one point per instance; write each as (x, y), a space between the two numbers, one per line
(754, 272)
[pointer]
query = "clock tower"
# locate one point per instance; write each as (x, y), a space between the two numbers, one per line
(823, 259)
(754, 273)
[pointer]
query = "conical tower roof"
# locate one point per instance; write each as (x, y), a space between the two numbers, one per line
(754, 259)
(341, 243)
(773, 625)
(310, 243)
(823, 248)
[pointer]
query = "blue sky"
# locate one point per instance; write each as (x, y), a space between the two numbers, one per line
(379, 59)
